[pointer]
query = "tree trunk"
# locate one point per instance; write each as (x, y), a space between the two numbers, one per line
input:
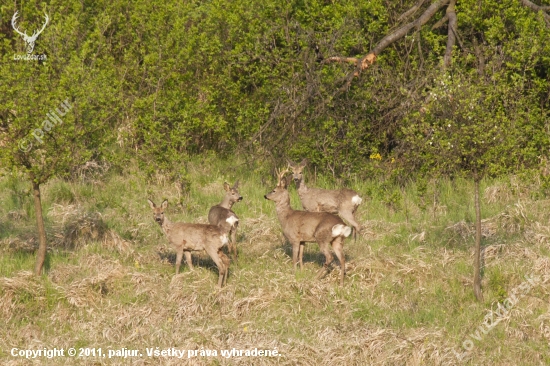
(451, 34)
(41, 254)
(477, 255)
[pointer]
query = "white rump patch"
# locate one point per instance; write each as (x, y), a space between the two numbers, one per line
(224, 239)
(341, 230)
(347, 231)
(356, 200)
(232, 220)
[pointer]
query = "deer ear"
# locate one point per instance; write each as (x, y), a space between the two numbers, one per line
(304, 162)
(236, 185)
(164, 204)
(284, 182)
(291, 163)
(226, 186)
(151, 204)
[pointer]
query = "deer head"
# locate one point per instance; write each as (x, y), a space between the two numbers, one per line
(232, 192)
(29, 39)
(280, 190)
(158, 212)
(297, 170)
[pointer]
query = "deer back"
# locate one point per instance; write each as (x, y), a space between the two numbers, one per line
(195, 237)
(326, 200)
(222, 217)
(309, 226)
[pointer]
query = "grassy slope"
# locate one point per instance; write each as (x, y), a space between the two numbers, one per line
(407, 299)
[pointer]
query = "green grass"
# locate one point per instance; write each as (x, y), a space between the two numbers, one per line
(407, 298)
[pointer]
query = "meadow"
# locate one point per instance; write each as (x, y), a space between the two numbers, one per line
(109, 278)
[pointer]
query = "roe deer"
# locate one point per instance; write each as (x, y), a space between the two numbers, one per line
(187, 238)
(300, 227)
(343, 202)
(222, 215)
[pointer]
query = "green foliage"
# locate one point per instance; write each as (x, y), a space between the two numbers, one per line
(160, 83)
(470, 126)
(32, 89)
(183, 79)
(497, 283)
(544, 190)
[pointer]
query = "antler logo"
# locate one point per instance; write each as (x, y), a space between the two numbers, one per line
(29, 39)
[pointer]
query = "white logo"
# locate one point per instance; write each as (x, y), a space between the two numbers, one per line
(29, 39)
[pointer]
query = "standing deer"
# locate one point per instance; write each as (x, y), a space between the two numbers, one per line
(187, 238)
(343, 202)
(300, 227)
(222, 215)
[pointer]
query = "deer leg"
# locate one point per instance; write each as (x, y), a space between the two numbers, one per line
(188, 259)
(350, 218)
(328, 260)
(339, 251)
(233, 248)
(179, 256)
(301, 255)
(226, 262)
(216, 255)
(295, 254)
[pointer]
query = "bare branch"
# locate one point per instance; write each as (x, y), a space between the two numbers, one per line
(411, 11)
(351, 60)
(391, 38)
(370, 58)
(401, 32)
(451, 34)
(440, 22)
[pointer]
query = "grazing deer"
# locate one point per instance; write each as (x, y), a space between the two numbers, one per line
(222, 215)
(343, 202)
(187, 238)
(300, 227)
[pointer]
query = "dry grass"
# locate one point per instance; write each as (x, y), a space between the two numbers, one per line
(407, 298)
(512, 221)
(78, 226)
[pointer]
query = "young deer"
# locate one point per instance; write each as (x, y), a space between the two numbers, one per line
(300, 227)
(222, 215)
(187, 238)
(343, 202)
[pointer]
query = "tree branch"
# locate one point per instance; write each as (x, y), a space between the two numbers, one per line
(440, 22)
(411, 10)
(370, 58)
(401, 32)
(351, 60)
(364, 62)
